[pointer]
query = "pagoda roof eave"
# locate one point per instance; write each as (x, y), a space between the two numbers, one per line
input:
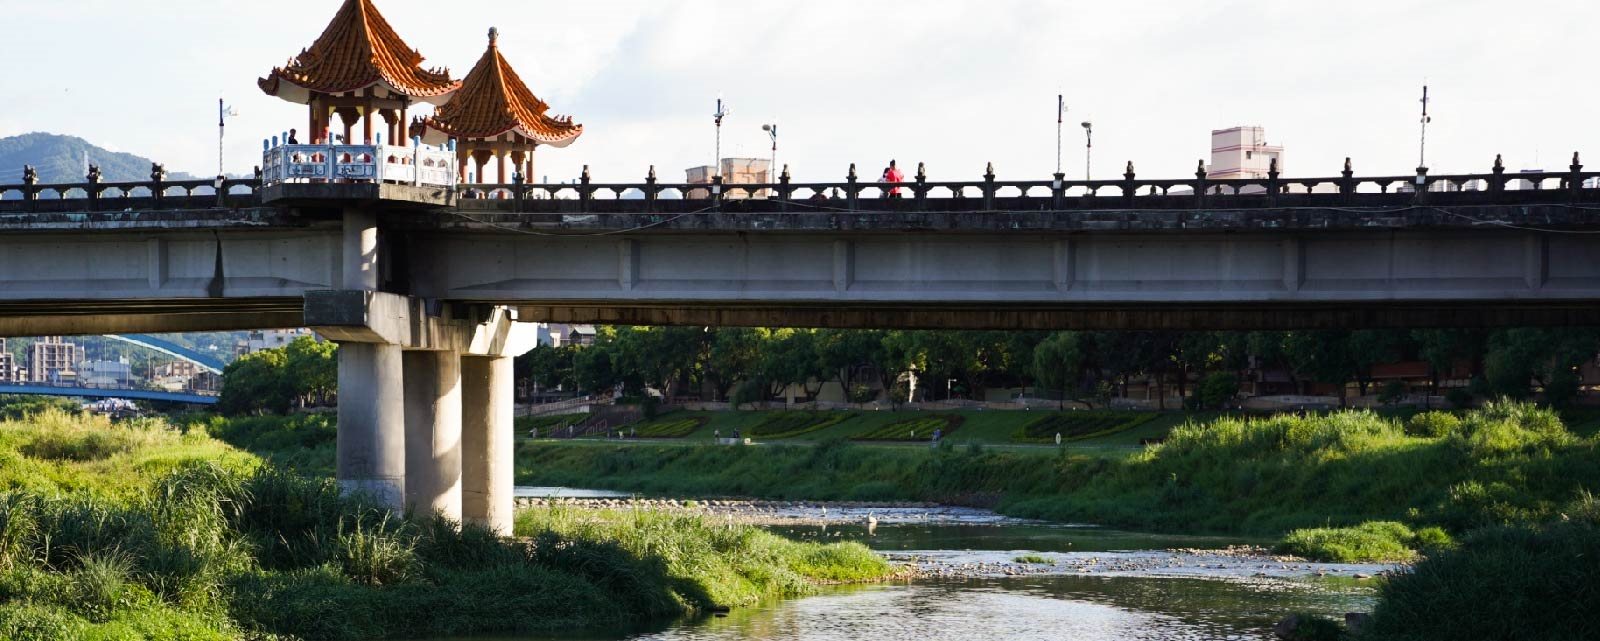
(278, 86)
(567, 137)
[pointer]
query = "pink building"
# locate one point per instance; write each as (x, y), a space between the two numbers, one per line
(1242, 152)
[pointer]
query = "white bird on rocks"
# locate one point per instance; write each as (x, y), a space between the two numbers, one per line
(872, 524)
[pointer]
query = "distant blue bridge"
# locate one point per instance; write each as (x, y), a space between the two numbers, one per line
(205, 361)
(47, 389)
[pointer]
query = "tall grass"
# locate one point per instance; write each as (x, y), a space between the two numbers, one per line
(1505, 463)
(224, 546)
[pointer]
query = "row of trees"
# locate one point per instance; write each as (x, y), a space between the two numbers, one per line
(748, 364)
(301, 374)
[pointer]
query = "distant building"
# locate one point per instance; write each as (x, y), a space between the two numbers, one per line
(735, 171)
(117, 373)
(184, 376)
(1242, 152)
(269, 339)
(8, 365)
(52, 361)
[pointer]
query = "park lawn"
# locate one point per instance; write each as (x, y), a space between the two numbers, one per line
(988, 427)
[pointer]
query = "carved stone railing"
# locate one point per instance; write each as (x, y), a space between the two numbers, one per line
(437, 167)
(414, 165)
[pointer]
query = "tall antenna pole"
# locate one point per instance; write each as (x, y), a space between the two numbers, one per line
(220, 128)
(1422, 147)
(1061, 113)
(721, 113)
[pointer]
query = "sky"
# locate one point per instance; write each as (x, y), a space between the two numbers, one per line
(955, 84)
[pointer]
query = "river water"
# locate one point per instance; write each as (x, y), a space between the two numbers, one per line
(1085, 584)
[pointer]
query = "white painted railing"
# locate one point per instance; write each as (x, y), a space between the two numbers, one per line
(416, 165)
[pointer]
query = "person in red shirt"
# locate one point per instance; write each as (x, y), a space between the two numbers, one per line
(893, 176)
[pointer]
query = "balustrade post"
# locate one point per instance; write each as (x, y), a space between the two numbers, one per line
(158, 178)
(716, 193)
(1127, 186)
(1347, 184)
(1497, 185)
(1058, 191)
(93, 190)
(921, 190)
(30, 189)
(1200, 185)
(1575, 183)
(584, 192)
(988, 187)
(1272, 183)
(784, 191)
(851, 189)
(1420, 186)
(650, 193)
(517, 189)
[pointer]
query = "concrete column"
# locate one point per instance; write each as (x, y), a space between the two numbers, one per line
(433, 432)
(360, 249)
(370, 450)
(487, 442)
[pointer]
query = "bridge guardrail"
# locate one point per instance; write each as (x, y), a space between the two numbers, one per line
(437, 167)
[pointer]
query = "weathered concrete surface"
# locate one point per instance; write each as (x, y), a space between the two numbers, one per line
(487, 442)
(371, 445)
(388, 194)
(432, 383)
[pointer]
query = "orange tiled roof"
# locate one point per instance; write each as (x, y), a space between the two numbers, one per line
(357, 50)
(493, 100)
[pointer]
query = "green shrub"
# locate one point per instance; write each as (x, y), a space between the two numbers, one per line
(1032, 559)
(1079, 425)
(670, 426)
(1521, 583)
(1314, 627)
(915, 429)
(1215, 390)
(1459, 398)
(1373, 541)
(794, 423)
(1433, 424)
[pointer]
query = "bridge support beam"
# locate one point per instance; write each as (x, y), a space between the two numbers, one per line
(433, 432)
(487, 442)
(371, 444)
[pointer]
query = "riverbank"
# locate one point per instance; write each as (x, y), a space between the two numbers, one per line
(141, 530)
(1265, 476)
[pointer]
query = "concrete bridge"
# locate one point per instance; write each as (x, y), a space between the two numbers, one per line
(49, 389)
(428, 287)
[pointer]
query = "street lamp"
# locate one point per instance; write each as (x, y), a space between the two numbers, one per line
(1088, 147)
(772, 132)
(722, 112)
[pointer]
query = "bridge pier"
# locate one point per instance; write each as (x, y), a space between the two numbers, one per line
(487, 442)
(371, 444)
(433, 432)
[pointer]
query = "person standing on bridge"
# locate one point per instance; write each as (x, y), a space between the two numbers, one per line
(293, 140)
(893, 176)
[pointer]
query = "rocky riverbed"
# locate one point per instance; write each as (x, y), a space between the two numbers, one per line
(792, 513)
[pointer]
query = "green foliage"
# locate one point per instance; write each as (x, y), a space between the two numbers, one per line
(915, 429)
(670, 426)
(1216, 389)
(301, 373)
(1032, 559)
(1433, 424)
(1314, 627)
(790, 424)
(197, 550)
(1392, 392)
(1526, 582)
(1079, 425)
(547, 425)
(1373, 541)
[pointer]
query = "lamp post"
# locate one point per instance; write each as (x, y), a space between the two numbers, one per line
(223, 112)
(1088, 148)
(772, 132)
(1422, 143)
(1061, 114)
(722, 112)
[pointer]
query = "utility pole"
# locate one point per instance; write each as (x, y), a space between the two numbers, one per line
(772, 132)
(1422, 147)
(722, 112)
(1061, 116)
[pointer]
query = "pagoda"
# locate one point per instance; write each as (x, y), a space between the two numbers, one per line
(495, 116)
(359, 68)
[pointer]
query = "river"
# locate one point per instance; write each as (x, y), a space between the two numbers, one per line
(1083, 584)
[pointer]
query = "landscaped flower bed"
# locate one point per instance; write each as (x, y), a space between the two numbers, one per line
(790, 424)
(1079, 425)
(915, 429)
(669, 427)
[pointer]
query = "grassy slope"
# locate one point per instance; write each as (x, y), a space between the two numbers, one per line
(1259, 476)
(137, 530)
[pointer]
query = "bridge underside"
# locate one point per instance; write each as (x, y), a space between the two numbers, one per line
(52, 317)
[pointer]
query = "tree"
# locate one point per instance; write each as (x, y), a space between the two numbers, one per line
(312, 368)
(1058, 363)
(256, 383)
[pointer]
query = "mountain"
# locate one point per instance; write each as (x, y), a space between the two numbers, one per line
(59, 159)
